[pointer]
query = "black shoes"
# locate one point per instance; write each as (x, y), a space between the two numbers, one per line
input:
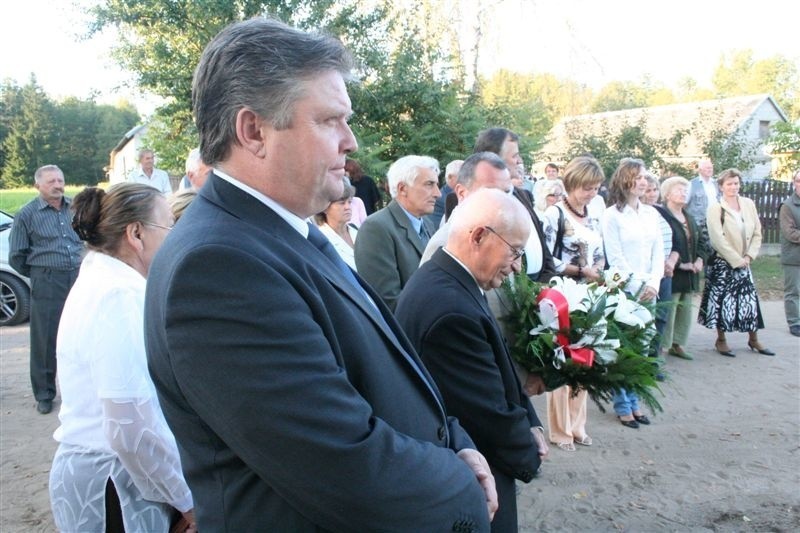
(44, 406)
(642, 419)
(722, 347)
(794, 330)
(630, 423)
(757, 347)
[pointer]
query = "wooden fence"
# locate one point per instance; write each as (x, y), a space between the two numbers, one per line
(768, 196)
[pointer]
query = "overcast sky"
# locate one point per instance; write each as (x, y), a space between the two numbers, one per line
(590, 41)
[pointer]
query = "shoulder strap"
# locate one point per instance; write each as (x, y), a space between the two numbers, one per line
(559, 244)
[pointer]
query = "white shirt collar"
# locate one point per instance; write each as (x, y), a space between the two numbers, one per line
(465, 268)
(293, 220)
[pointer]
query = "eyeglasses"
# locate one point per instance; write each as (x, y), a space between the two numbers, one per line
(515, 252)
(557, 194)
(157, 225)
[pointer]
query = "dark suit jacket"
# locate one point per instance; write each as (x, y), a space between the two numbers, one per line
(388, 250)
(448, 320)
(548, 265)
(297, 405)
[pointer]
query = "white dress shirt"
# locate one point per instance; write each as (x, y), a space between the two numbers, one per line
(634, 244)
(158, 180)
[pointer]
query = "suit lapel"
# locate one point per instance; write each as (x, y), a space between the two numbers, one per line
(402, 220)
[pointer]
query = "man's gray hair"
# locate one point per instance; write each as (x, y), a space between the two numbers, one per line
(193, 160)
(453, 167)
(466, 176)
(262, 65)
(406, 169)
(47, 168)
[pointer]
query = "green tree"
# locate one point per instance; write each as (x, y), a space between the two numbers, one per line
(10, 101)
(27, 145)
(161, 41)
(740, 73)
(74, 140)
(631, 141)
(619, 95)
(785, 144)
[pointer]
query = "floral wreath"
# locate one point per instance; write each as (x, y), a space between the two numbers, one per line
(592, 337)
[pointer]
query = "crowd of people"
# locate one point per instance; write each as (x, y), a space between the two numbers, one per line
(270, 348)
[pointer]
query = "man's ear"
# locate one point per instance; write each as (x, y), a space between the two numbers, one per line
(477, 235)
(251, 131)
(461, 192)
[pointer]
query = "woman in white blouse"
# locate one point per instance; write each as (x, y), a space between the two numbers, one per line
(117, 465)
(572, 233)
(335, 224)
(633, 244)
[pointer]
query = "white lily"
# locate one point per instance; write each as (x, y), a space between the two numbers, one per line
(616, 279)
(577, 294)
(631, 312)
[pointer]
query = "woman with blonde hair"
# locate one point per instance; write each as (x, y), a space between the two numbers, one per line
(572, 233)
(730, 301)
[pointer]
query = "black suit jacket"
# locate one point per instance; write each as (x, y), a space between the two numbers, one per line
(548, 265)
(297, 405)
(448, 320)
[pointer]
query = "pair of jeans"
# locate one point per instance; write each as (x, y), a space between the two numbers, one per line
(625, 403)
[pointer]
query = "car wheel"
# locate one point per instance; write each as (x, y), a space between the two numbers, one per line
(15, 301)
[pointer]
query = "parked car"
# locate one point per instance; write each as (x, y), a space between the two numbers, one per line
(15, 289)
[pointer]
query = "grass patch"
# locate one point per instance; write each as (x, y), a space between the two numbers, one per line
(12, 200)
(768, 275)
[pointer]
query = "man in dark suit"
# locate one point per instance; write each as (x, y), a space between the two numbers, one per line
(444, 311)
(539, 263)
(391, 241)
(296, 401)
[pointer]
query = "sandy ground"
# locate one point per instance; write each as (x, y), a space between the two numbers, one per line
(723, 456)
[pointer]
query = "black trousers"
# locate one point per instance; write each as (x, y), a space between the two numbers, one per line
(49, 289)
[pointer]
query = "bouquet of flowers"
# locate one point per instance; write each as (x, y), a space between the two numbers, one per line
(588, 336)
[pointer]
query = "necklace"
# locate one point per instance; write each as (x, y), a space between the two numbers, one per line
(574, 212)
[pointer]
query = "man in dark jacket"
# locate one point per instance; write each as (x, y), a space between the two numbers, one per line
(444, 312)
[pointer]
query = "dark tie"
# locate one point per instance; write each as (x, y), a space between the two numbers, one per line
(423, 235)
(319, 240)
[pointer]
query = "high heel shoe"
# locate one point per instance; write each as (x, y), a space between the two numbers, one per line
(722, 348)
(757, 347)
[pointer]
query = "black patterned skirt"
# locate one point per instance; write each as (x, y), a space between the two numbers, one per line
(730, 300)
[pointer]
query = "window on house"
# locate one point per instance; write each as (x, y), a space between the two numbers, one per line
(763, 129)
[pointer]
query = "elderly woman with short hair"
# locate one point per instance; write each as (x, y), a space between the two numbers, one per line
(550, 192)
(690, 243)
